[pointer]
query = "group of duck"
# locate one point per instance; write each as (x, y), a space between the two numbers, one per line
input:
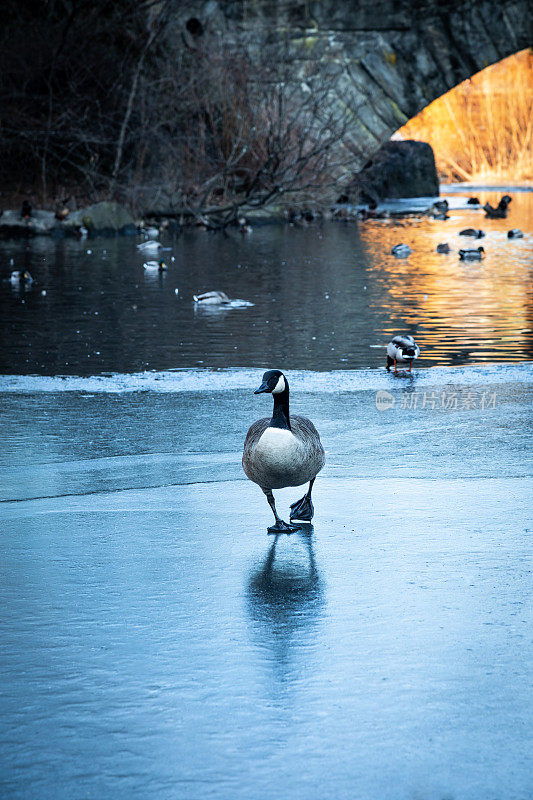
(439, 210)
(285, 450)
(153, 246)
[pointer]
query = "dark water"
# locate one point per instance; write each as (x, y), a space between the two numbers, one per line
(325, 297)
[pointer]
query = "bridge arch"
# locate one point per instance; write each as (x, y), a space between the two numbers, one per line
(391, 58)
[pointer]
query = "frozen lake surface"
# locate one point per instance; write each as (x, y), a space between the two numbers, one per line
(157, 643)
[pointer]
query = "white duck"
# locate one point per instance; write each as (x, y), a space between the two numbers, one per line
(283, 451)
(402, 350)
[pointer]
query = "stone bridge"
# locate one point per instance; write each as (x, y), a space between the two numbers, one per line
(390, 58)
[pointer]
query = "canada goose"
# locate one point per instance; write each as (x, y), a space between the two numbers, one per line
(500, 212)
(150, 246)
(401, 250)
(402, 349)
(515, 233)
(21, 277)
(283, 451)
(444, 247)
(472, 254)
(474, 232)
(155, 266)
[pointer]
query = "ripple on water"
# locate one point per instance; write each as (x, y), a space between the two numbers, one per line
(323, 297)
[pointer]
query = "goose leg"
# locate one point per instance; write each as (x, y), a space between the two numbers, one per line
(303, 509)
(280, 526)
(390, 362)
(395, 368)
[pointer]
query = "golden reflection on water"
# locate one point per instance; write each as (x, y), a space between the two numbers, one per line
(459, 311)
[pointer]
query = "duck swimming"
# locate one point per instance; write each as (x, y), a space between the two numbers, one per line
(515, 233)
(443, 247)
(439, 210)
(155, 266)
(500, 212)
(151, 232)
(21, 277)
(401, 250)
(283, 451)
(150, 246)
(474, 232)
(212, 298)
(472, 255)
(402, 349)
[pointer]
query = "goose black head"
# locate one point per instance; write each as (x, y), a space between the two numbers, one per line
(274, 382)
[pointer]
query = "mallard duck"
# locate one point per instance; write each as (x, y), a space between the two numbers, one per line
(401, 250)
(500, 212)
(515, 233)
(474, 232)
(402, 350)
(61, 213)
(472, 255)
(439, 210)
(151, 232)
(444, 247)
(244, 225)
(155, 266)
(211, 298)
(21, 277)
(150, 246)
(283, 451)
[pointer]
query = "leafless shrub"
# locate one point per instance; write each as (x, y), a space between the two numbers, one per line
(104, 100)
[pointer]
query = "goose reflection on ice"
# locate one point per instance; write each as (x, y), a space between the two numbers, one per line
(285, 598)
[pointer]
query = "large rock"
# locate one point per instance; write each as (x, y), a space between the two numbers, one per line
(40, 222)
(399, 169)
(103, 217)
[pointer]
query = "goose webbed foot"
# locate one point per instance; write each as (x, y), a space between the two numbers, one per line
(283, 527)
(302, 509)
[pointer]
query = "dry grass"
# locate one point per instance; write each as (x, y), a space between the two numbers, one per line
(482, 130)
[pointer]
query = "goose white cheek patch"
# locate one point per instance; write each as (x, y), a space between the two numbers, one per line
(280, 385)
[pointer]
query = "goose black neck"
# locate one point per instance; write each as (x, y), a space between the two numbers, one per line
(280, 417)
